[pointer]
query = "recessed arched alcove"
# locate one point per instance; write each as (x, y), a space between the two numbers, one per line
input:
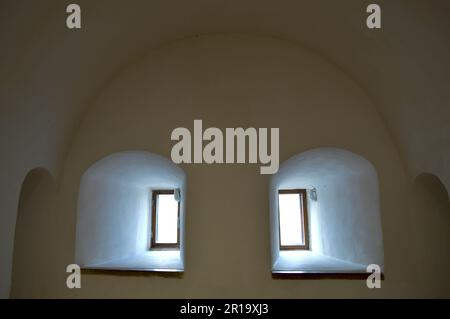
(113, 213)
(36, 236)
(227, 81)
(344, 213)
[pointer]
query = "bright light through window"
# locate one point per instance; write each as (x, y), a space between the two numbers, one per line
(165, 220)
(292, 219)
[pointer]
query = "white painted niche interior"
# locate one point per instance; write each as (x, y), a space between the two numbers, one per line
(114, 213)
(344, 222)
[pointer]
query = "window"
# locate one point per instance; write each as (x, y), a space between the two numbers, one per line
(329, 226)
(165, 231)
(293, 219)
(115, 214)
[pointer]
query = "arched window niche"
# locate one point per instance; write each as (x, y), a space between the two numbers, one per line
(114, 213)
(344, 225)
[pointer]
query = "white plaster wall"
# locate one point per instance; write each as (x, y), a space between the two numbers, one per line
(49, 76)
(109, 220)
(345, 221)
(113, 213)
(230, 81)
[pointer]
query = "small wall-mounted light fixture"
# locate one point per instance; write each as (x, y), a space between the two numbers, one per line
(177, 194)
(313, 194)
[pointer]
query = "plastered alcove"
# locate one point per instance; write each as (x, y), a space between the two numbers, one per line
(343, 216)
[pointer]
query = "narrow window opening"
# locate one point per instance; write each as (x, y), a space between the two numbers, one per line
(293, 219)
(165, 232)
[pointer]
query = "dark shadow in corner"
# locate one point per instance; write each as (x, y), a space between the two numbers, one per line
(432, 187)
(133, 273)
(322, 276)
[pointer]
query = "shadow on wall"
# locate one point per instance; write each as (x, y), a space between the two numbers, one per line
(431, 186)
(36, 234)
(430, 207)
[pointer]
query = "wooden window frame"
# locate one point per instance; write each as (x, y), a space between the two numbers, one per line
(304, 219)
(161, 246)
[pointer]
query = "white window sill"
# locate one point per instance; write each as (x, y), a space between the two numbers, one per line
(305, 261)
(160, 260)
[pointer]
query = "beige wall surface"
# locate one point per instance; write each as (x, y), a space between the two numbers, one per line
(233, 81)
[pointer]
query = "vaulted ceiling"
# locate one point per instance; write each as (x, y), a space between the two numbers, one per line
(50, 74)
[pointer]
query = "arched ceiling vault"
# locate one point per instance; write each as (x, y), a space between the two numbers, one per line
(51, 74)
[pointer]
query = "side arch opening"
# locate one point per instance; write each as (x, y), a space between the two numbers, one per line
(430, 219)
(35, 240)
